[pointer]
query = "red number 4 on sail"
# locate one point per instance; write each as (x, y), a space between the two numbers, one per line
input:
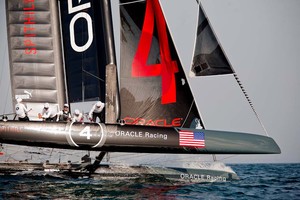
(167, 68)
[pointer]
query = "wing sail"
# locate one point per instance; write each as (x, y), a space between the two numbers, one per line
(34, 52)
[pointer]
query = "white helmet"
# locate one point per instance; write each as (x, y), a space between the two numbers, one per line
(76, 112)
(66, 105)
(99, 103)
(46, 105)
(19, 99)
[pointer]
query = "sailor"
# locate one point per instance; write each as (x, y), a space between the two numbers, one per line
(47, 114)
(198, 124)
(64, 115)
(21, 110)
(96, 111)
(4, 118)
(77, 117)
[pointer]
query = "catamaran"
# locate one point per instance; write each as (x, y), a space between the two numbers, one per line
(64, 52)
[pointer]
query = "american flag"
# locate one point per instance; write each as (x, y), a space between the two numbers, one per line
(191, 139)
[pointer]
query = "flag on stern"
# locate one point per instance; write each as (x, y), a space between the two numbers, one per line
(191, 139)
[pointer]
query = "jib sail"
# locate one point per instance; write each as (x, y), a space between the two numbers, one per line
(209, 58)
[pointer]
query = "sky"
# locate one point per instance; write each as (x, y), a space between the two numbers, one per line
(260, 39)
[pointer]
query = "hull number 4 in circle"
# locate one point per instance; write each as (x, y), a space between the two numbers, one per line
(88, 135)
(86, 132)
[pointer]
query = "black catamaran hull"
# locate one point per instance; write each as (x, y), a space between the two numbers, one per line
(127, 138)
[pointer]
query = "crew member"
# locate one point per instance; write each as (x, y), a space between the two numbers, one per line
(4, 118)
(77, 117)
(64, 115)
(21, 110)
(47, 114)
(96, 111)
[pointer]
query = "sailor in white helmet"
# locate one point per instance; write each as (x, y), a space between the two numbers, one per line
(21, 110)
(64, 115)
(47, 114)
(77, 117)
(96, 111)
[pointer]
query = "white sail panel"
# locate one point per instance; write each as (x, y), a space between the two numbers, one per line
(41, 69)
(44, 56)
(19, 5)
(44, 43)
(35, 52)
(35, 82)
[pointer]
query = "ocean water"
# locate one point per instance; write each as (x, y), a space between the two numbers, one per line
(257, 181)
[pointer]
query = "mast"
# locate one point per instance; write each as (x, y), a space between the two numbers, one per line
(112, 110)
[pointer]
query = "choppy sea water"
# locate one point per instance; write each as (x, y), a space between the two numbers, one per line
(257, 181)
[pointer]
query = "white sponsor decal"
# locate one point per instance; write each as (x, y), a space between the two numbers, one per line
(202, 177)
(22, 96)
(87, 135)
(83, 15)
(139, 134)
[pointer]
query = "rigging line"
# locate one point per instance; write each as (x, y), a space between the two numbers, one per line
(137, 1)
(158, 158)
(213, 155)
(228, 157)
(7, 114)
(250, 102)
(3, 59)
(2, 74)
(82, 74)
(185, 159)
(188, 113)
(2, 68)
(161, 159)
(88, 73)
(5, 104)
(125, 157)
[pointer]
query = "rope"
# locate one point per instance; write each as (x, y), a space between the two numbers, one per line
(137, 1)
(250, 102)
(188, 113)
(228, 157)
(2, 74)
